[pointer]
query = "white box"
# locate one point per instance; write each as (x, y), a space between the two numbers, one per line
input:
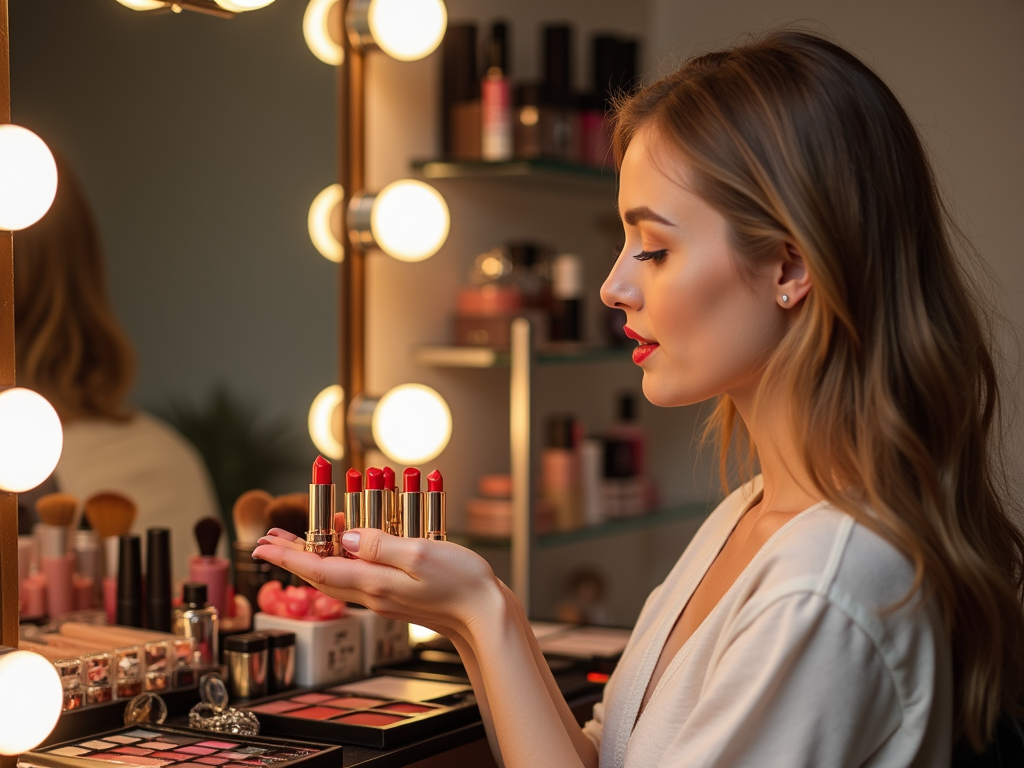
(325, 651)
(383, 639)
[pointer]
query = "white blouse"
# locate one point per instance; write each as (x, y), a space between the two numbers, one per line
(798, 664)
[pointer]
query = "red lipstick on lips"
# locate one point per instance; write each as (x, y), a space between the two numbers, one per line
(321, 537)
(410, 505)
(434, 514)
(646, 347)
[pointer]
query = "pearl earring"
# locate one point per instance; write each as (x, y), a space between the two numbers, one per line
(785, 298)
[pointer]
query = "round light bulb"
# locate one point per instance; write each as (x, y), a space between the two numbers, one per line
(323, 221)
(31, 439)
(412, 424)
(28, 179)
(240, 6)
(325, 422)
(317, 25)
(409, 220)
(407, 29)
(31, 703)
(142, 5)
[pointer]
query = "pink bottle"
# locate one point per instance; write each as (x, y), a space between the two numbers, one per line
(206, 568)
(58, 566)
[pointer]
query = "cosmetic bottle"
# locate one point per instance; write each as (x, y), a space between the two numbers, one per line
(460, 93)
(58, 565)
(198, 621)
(567, 298)
(622, 489)
(206, 567)
(528, 274)
(158, 579)
(526, 122)
(88, 562)
(560, 472)
(129, 581)
(247, 659)
(557, 117)
(496, 99)
(591, 476)
(281, 672)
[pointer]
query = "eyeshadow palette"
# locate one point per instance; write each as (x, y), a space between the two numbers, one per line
(155, 746)
(381, 711)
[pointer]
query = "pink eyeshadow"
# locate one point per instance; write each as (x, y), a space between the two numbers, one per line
(111, 758)
(218, 744)
(235, 755)
(158, 745)
(276, 706)
(196, 750)
(354, 702)
(312, 698)
(368, 718)
(212, 760)
(132, 751)
(167, 755)
(315, 713)
(405, 707)
(189, 765)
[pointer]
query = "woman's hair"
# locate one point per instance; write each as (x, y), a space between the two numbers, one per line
(796, 141)
(69, 346)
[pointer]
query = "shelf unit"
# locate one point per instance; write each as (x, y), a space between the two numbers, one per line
(548, 172)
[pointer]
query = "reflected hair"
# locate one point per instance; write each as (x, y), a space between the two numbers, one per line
(69, 345)
(887, 364)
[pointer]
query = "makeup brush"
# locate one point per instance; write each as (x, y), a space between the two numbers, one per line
(57, 512)
(250, 516)
(290, 513)
(111, 515)
(206, 568)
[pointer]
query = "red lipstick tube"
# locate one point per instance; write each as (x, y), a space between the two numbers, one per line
(392, 522)
(410, 503)
(434, 514)
(373, 499)
(353, 500)
(321, 537)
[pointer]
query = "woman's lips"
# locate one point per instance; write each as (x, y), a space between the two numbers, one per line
(642, 352)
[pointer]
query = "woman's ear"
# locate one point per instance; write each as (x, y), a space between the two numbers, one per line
(794, 281)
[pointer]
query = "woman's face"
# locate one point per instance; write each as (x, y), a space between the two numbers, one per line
(704, 326)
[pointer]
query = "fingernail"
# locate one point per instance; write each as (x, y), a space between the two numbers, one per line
(350, 541)
(263, 540)
(254, 555)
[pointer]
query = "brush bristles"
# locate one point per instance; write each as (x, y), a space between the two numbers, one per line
(250, 515)
(290, 513)
(208, 532)
(110, 513)
(57, 508)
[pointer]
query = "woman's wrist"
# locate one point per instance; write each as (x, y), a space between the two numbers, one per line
(488, 615)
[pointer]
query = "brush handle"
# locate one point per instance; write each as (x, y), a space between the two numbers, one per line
(213, 572)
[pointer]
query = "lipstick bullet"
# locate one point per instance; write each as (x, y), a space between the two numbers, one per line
(434, 515)
(373, 499)
(411, 505)
(392, 521)
(321, 537)
(353, 502)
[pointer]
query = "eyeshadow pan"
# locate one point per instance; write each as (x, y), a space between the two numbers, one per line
(353, 702)
(315, 713)
(212, 760)
(98, 744)
(218, 744)
(406, 708)
(68, 751)
(132, 751)
(234, 755)
(179, 740)
(143, 734)
(369, 718)
(195, 750)
(311, 698)
(252, 750)
(127, 759)
(167, 755)
(158, 745)
(274, 707)
(121, 739)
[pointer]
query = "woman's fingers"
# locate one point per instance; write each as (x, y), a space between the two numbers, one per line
(377, 546)
(293, 543)
(281, 533)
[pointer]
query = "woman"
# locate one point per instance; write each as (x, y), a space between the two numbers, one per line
(859, 601)
(72, 350)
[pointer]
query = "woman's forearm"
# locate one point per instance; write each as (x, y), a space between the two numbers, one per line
(473, 670)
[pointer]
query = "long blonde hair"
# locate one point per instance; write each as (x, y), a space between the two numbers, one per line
(794, 140)
(69, 345)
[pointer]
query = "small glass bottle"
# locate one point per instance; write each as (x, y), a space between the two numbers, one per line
(198, 621)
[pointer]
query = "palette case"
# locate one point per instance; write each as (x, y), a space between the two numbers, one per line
(157, 746)
(381, 711)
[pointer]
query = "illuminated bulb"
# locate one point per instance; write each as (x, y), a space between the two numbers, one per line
(28, 179)
(142, 5)
(407, 29)
(31, 702)
(31, 439)
(325, 422)
(409, 220)
(412, 424)
(323, 221)
(418, 634)
(317, 25)
(529, 115)
(240, 6)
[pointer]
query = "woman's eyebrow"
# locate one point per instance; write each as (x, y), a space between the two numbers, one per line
(635, 215)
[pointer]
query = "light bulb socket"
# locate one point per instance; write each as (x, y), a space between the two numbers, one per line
(358, 221)
(357, 25)
(360, 420)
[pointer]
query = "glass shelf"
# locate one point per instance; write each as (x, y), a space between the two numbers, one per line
(664, 516)
(485, 357)
(539, 171)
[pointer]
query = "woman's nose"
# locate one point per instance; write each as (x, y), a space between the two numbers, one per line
(620, 290)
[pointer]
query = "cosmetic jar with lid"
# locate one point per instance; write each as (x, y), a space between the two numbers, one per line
(127, 672)
(70, 671)
(198, 621)
(281, 675)
(246, 658)
(96, 674)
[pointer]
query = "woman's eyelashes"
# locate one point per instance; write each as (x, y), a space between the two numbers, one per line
(656, 256)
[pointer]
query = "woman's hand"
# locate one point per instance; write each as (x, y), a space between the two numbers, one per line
(436, 584)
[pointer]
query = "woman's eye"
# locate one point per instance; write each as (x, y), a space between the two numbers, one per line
(656, 256)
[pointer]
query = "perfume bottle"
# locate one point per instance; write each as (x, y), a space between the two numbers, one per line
(196, 620)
